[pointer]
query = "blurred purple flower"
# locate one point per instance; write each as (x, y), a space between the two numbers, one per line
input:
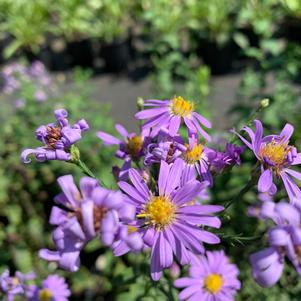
(211, 278)
(169, 114)
(86, 212)
(14, 285)
(168, 223)
(57, 139)
(40, 95)
(284, 241)
(54, 288)
(276, 157)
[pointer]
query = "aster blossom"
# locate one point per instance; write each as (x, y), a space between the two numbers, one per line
(14, 285)
(131, 147)
(284, 241)
(86, 213)
(165, 147)
(170, 113)
(169, 225)
(57, 139)
(211, 278)
(276, 157)
(53, 288)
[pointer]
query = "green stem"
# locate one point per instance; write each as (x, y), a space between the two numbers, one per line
(85, 168)
(252, 182)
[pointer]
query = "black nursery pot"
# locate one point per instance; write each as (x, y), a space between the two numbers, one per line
(218, 57)
(291, 29)
(116, 55)
(81, 53)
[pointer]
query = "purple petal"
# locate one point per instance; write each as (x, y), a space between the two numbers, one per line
(265, 181)
(108, 139)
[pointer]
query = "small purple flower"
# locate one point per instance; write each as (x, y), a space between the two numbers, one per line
(54, 288)
(14, 285)
(196, 162)
(57, 139)
(169, 114)
(211, 278)
(131, 147)
(284, 241)
(166, 148)
(276, 157)
(86, 212)
(167, 222)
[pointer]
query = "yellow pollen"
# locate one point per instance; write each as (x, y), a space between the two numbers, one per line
(45, 294)
(213, 283)
(134, 146)
(159, 212)
(132, 229)
(15, 281)
(191, 156)
(275, 152)
(181, 107)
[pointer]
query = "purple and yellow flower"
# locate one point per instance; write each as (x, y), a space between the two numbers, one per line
(170, 113)
(86, 212)
(14, 285)
(276, 157)
(57, 139)
(196, 162)
(167, 222)
(284, 241)
(54, 288)
(211, 278)
(131, 147)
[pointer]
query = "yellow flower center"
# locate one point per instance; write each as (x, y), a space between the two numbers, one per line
(191, 156)
(159, 212)
(181, 107)
(134, 145)
(275, 152)
(131, 229)
(213, 283)
(45, 295)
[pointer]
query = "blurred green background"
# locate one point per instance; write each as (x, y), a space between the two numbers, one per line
(96, 57)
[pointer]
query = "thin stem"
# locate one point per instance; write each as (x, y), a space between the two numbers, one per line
(85, 168)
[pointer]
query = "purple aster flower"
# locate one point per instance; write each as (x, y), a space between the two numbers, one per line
(284, 241)
(14, 285)
(169, 114)
(131, 147)
(166, 148)
(86, 212)
(57, 139)
(196, 162)
(54, 288)
(211, 278)
(276, 157)
(168, 224)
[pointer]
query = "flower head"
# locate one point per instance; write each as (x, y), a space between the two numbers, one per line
(54, 288)
(276, 157)
(14, 285)
(170, 113)
(167, 222)
(57, 139)
(165, 148)
(284, 241)
(86, 212)
(211, 277)
(131, 147)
